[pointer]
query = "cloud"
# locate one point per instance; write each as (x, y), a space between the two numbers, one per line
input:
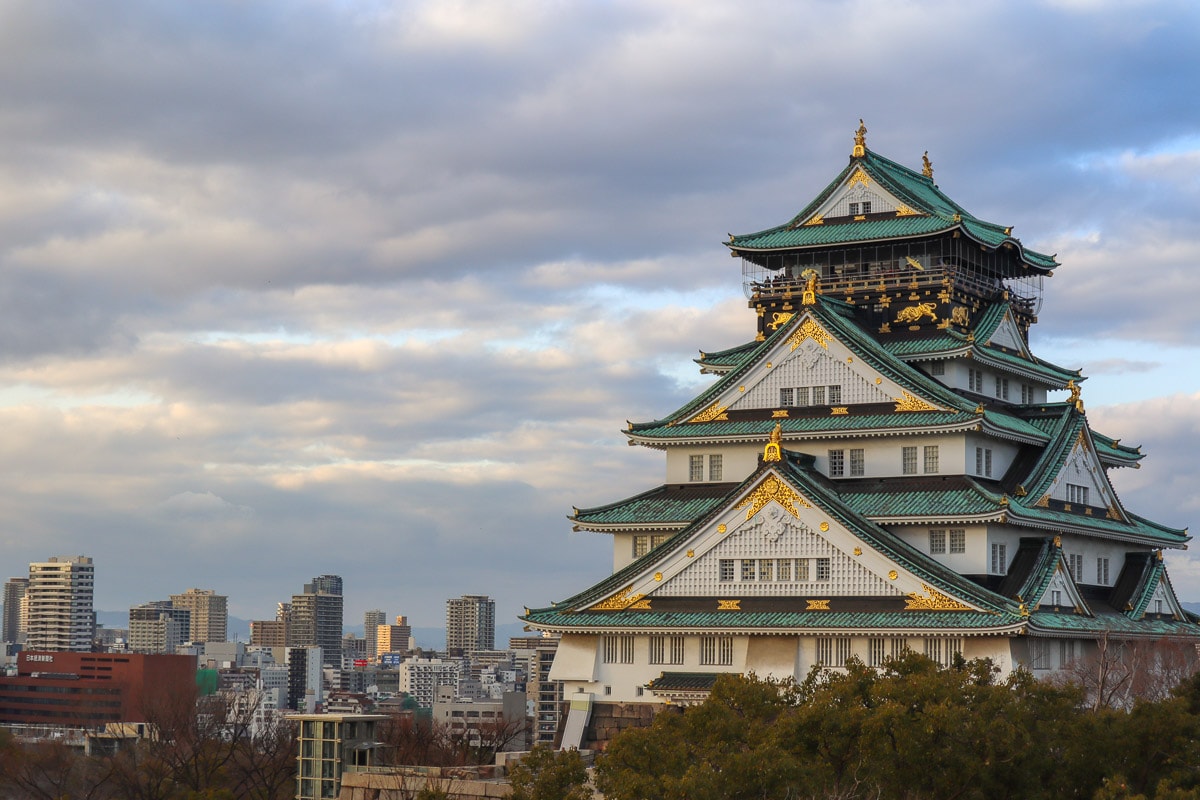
(373, 289)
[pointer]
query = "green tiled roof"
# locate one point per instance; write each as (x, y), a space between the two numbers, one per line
(773, 620)
(1137, 529)
(797, 469)
(663, 505)
(1118, 624)
(921, 497)
(936, 213)
(730, 357)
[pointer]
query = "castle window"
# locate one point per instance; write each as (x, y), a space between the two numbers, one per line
(618, 650)
(802, 395)
(786, 396)
(837, 463)
(975, 380)
(835, 395)
(999, 558)
(802, 569)
(1039, 654)
(909, 459)
(1056, 597)
(676, 649)
(937, 541)
(822, 569)
(958, 540)
(1001, 388)
(931, 458)
(858, 462)
(937, 368)
(983, 461)
(1077, 494)
(766, 569)
(641, 545)
(1102, 571)
(876, 652)
(725, 570)
(748, 569)
(715, 467)
(716, 651)
(833, 651)
(784, 569)
(866, 207)
(853, 208)
(1075, 563)
(661, 654)
(1026, 394)
(818, 395)
(695, 468)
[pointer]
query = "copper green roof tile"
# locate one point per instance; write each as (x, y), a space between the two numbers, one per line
(936, 213)
(777, 621)
(1067, 623)
(664, 505)
(920, 497)
(730, 357)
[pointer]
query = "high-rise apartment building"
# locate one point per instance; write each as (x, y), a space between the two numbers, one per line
(59, 598)
(316, 618)
(14, 602)
(393, 638)
(371, 620)
(471, 623)
(158, 627)
(210, 615)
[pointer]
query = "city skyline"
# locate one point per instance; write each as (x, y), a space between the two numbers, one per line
(370, 292)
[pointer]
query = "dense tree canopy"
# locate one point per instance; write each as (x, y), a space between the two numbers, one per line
(911, 730)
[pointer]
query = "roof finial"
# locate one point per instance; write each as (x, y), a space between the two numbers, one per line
(809, 295)
(1074, 387)
(772, 452)
(860, 140)
(926, 165)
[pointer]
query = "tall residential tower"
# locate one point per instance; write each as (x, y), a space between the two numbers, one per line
(59, 598)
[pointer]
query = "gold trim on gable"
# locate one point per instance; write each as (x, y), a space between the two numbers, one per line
(933, 600)
(809, 330)
(860, 176)
(713, 412)
(910, 402)
(621, 601)
(729, 605)
(771, 488)
(817, 605)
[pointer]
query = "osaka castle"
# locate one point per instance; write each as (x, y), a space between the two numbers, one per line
(884, 465)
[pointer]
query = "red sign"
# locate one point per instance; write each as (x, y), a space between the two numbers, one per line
(360, 662)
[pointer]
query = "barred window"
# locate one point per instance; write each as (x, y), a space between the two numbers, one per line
(958, 540)
(766, 569)
(1075, 563)
(999, 558)
(786, 396)
(943, 650)
(822, 569)
(748, 565)
(1039, 654)
(833, 651)
(716, 651)
(818, 395)
(641, 545)
(801, 395)
(866, 207)
(676, 650)
(937, 368)
(931, 458)
(658, 539)
(858, 462)
(1102, 571)
(983, 461)
(837, 463)
(695, 468)
(802, 569)
(835, 395)
(715, 467)
(909, 460)
(1026, 393)
(784, 569)
(1077, 494)
(937, 541)
(618, 649)
(666, 649)
(726, 570)
(876, 652)
(853, 208)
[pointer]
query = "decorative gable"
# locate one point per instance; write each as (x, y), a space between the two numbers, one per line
(1061, 591)
(1008, 335)
(813, 368)
(772, 542)
(1083, 483)
(858, 195)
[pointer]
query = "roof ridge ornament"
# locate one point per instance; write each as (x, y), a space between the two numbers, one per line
(772, 451)
(926, 166)
(809, 296)
(860, 140)
(1075, 398)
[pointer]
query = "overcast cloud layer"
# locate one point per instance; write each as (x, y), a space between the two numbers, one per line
(292, 288)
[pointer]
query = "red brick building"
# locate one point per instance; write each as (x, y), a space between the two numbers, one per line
(91, 689)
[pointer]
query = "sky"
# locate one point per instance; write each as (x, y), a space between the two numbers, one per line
(366, 288)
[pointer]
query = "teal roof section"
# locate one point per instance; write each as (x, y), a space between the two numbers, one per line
(935, 213)
(665, 505)
(1065, 623)
(796, 469)
(731, 357)
(922, 498)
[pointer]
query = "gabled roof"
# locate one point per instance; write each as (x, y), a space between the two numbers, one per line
(724, 360)
(926, 211)
(949, 410)
(1037, 567)
(972, 607)
(1142, 577)
(663, 507)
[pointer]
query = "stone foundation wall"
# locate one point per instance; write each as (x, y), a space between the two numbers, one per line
(609, 719)
(376, 786)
